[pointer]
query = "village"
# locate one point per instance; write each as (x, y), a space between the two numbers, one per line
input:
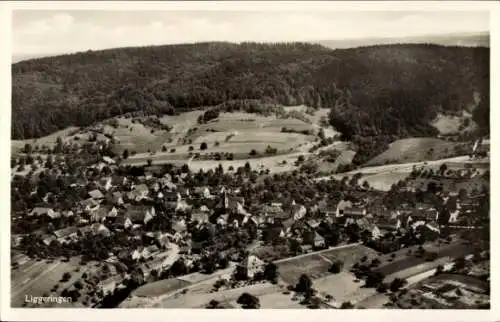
(112, 229)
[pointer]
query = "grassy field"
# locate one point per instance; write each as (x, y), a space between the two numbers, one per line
(415, 150)
(316, 265)
(343, 287)
(49, 140)
(274, 163)
(37, 279)
(403, 261)
(160, 287)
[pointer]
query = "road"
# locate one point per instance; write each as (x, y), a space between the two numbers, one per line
(316, 253)
(400, 167)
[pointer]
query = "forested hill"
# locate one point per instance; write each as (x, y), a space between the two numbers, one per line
(391, 89)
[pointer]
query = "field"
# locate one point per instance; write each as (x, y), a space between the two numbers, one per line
(343, 287)
(37, 279)
(415, 150)
(403, 261)
(383, 181)
(316, 265)
(49, 140)
(160, 287)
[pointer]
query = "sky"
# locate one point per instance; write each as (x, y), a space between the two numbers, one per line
(47, 32)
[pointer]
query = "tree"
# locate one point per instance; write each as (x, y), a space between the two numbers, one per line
(373, 279)
(336, 267)
(248, 301)
(253, 152)
(271, 272)
(304, 285)
(125, 154)
(150, 162)
(203, 146)
(439, 270)
(213, 304)
(28, 149)
(396, 284)
(164, 149)
(191, 148)
(347, 305)
(382, 288)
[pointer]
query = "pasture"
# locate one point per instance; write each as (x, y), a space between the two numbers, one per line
(316, 265)
(37, 278)
(415, 150)
(160, 287)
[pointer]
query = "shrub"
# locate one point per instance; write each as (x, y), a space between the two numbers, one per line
(172, 150)
(203, 146)
(253, 152)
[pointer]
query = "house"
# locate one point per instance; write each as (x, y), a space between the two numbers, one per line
(354, 212)
(116, 198)
(179, 225)
(99, 215)
(107, 286)
(64, 235)
(67, 213)
(274, 213)
(100, 229)
(313, 223)
(140, 213)
(200, 217)
(124, 222)
(252, 265)
(108, 160)
(318, 241)
(85, 230)
(19, 259)
(15, 240)
(40, 211)
(163, 240)
(298, 212)
(96, 194)
(142, 189)
(341, 206)
(89, 205)
(49, 240)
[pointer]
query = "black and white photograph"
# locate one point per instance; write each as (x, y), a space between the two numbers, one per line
(249, 159)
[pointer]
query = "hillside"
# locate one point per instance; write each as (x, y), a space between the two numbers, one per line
(376, 94)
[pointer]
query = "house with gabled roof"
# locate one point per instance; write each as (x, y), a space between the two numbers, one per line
(140, 213)
(96, 194)
(65, 235)
(298, 212)
(40, 211)
(252, 265)
(89, 205)
(100, 229)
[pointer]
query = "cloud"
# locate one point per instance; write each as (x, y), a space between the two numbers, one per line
(61, 32)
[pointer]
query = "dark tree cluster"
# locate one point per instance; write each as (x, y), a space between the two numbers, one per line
(375, 91)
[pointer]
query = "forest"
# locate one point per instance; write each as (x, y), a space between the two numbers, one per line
(386, 91)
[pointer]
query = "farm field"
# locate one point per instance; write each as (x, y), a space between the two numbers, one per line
(49, 140)
(160, 287)
(403, 262)
(343, 287)
(189, 300)
(316, 265)
(383, 181)
(38, 278)
(274, 163)
(415, 150)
